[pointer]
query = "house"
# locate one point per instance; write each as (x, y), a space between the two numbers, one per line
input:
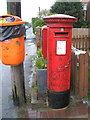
(85, 8)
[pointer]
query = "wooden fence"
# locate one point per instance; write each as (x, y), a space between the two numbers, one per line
(81, 38)
(79, 74)
(81, 41)
(38, 37)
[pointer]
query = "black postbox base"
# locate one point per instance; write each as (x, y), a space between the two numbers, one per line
(58, 100)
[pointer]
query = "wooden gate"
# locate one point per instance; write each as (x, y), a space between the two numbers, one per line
(79, 74)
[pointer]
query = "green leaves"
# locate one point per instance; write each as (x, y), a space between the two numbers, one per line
(70, 8)
(39, 53)
(40, 62)
(38, 22)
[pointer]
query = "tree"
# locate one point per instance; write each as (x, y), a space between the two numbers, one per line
(38, 22)
(71, 8)
(44, 13)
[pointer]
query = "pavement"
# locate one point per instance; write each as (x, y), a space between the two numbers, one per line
(34, 108)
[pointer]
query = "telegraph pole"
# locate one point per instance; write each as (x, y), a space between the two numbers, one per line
(39, 12)
(17, 72)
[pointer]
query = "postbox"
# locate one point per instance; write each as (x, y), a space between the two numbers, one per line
(59, 41)
(44, 41)
(12, 40)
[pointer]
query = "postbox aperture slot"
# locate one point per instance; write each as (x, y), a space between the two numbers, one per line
(61, 33)
(61, 47)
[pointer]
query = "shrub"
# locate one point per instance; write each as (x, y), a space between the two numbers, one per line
(39, 53)
(36, 23)
(40, 62)
(33, 21)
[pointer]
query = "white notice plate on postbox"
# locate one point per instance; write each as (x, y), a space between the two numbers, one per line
(61, 47)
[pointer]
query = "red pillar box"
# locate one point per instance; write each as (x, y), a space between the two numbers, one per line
(59, 40)
(44, 41)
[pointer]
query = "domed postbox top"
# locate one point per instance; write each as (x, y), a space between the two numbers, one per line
(60, 18)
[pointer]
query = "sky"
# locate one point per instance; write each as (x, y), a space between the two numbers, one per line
(3, 7)
(29, 8)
